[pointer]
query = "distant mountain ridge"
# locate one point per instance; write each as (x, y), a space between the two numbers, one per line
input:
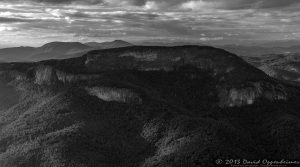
(61, 46)
(55, 50)
(59, 50)
(15, 54)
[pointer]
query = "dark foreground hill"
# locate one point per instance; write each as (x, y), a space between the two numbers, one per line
(145, 106)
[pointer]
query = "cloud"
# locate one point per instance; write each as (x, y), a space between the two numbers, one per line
(14, 20)
(5, 28)
(172, 28)
(246, 4)
(185, 4)
(202, 4)
(58, 1)
(34, 21)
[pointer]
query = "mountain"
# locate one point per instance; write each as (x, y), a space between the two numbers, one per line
(58, 50)
(62, 47)
(145, 106)
(15, 54)
(53, 50)
(109, 45)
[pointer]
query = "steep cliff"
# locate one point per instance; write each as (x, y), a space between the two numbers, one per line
(48, 75)
(115, 94)
(45, 75)
(248, 95)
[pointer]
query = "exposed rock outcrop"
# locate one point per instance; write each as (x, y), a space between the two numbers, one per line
(48, 75)
(115, 94)
(237, 97)
(73, 78)
(45, 75)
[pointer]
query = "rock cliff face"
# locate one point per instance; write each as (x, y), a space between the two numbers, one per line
(48, 75)
(45, 75)
(73, 78)
(115, 94)
(237, 97)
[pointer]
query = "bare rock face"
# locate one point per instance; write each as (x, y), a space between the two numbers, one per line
(65, 78)
(45, 75)
(48, 75)
(237, 97)
(115, 94)
(73, 78)
(268, 70)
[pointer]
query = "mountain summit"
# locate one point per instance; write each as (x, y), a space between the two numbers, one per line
(62, 47)
(58, 50)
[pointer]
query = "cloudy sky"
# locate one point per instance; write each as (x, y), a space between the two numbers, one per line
(34, 22)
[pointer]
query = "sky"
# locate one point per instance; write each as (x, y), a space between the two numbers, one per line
(35, 22)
